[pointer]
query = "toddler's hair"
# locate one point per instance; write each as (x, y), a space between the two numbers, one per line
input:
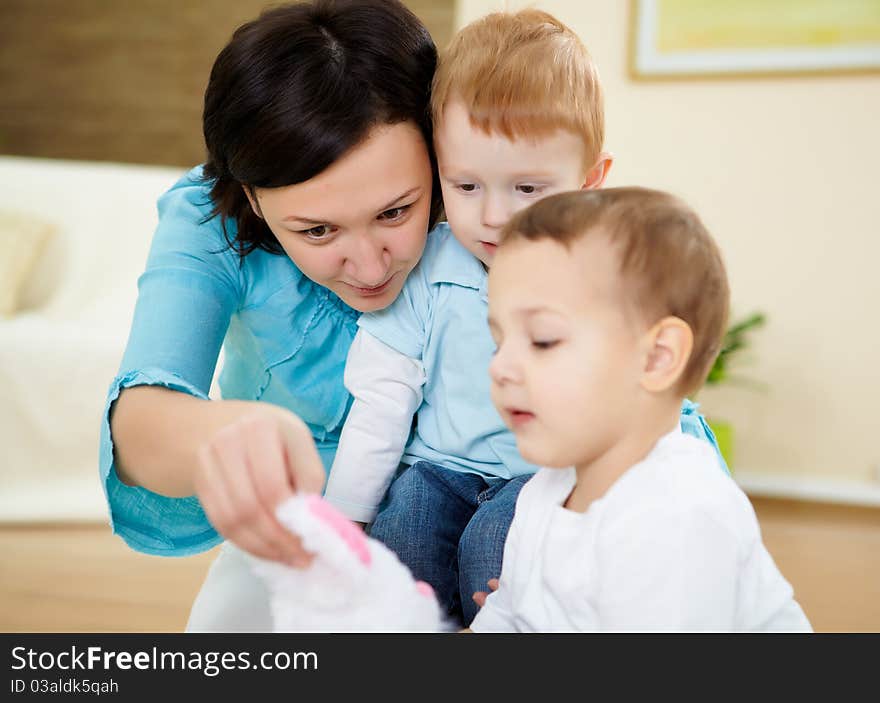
(522, 74)
(668, 262)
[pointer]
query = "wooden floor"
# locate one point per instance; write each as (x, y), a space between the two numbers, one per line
(82, 579)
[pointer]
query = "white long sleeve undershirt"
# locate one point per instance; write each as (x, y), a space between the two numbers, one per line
(387, 390)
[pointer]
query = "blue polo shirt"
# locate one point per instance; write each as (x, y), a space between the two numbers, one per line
(440, 319)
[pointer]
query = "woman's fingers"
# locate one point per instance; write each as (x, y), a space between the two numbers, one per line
(304, 465)
(242, 478)
(247, 469)
(255, 520)
(269, 478)
(215, 495)
(266, 461)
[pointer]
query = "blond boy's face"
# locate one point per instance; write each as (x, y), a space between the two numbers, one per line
(486, 178)
(565, 376)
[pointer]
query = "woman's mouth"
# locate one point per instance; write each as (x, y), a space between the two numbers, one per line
(375, 290)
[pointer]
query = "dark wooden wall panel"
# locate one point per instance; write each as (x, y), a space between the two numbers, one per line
(121, 80)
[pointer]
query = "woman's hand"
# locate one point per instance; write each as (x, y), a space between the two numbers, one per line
(246, 469)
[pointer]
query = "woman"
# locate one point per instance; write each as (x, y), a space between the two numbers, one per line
(313, 206)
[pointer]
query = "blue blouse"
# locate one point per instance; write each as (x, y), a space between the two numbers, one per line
(285, 338)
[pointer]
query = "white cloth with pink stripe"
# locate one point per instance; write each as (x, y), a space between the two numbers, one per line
(354, 584)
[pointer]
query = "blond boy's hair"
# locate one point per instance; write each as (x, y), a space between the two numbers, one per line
(522, 74)
(667, 260)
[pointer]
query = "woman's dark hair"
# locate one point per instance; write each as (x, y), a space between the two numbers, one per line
(298, 87)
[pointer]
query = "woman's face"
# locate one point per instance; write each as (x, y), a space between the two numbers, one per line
(358, 227)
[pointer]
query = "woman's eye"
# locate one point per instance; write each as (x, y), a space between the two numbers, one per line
(394, 213)
(545, 344)
(319, 232)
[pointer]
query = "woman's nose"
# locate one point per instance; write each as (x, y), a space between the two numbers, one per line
(369, 261)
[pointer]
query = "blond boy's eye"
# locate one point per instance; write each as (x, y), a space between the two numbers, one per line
(467, 187)
(527, 188)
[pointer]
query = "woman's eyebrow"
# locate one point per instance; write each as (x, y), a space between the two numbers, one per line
(307, 220)
(313, 221)
(400, 197)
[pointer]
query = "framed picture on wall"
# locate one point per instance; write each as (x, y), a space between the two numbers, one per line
(692, 38)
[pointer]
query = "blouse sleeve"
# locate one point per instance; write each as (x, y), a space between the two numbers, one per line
(186, 296)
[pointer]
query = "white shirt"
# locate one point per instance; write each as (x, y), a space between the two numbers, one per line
(674, 545)
(387, 390)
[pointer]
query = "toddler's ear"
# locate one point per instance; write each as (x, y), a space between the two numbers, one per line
(596, 176)
(667, 346)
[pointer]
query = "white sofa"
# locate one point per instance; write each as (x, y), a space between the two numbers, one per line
(59, 353)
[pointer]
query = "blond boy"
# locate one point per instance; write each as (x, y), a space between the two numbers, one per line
(518, 116)
(608, 308)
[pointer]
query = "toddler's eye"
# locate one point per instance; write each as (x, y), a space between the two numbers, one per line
(544, 344)
(467, 187)
(528, 188)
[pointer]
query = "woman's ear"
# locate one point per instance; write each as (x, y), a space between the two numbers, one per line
(667, 346)
(252, 199)
(596, 176)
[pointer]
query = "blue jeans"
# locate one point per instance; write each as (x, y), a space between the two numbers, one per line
(449, 528)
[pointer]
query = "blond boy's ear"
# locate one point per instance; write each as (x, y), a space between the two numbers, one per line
(596, 176)
(667, 349)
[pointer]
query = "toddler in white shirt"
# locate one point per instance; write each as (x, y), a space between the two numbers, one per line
(607, 308)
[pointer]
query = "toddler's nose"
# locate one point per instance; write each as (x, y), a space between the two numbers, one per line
(501, 369)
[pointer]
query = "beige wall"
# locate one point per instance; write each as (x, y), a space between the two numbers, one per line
(122, 81)
(785, 174)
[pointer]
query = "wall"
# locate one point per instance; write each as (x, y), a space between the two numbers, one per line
(121, 81)
(784, 172)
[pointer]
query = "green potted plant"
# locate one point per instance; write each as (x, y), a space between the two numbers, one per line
(735, 339)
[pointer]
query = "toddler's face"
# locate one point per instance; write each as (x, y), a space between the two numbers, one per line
(566, 372)
(485, 178)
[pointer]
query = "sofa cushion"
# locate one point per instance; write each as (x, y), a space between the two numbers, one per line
(23, 238)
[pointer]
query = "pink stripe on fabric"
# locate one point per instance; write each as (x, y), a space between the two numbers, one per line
(353, 535)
